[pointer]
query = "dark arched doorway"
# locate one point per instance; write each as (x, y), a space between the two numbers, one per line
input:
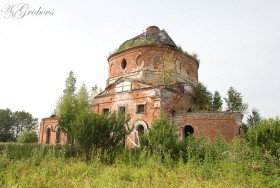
(48, 135)
(140, 129)
(188, 130)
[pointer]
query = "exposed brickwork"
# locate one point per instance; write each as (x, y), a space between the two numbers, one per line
(158, 77)
(146, 63)
(210, 124)
(49, 132)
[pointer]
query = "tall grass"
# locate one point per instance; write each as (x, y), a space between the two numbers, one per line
(199, 164)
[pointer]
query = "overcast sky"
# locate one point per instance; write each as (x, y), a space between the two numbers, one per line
(238, 44)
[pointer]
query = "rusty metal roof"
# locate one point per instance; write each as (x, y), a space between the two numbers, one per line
(157, 35)
(152, 35)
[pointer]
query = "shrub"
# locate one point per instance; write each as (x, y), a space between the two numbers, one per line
(162, 135)
(100, 131)
(28, 137)
(266, 135)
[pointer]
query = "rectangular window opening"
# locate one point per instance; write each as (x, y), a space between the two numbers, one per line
(122, 109)
(106, 110)
(140, 109)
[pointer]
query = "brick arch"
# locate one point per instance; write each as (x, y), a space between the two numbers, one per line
(48, 131)
(187, 131)
(57, 134)
(49, 126)
(142, 123)
(139, 125)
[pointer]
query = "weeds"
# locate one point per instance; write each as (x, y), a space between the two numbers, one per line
(199, 164)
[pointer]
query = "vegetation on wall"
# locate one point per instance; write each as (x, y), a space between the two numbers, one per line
(202, 97)
(166, 65)
(139, 42)
(217, 102)
(235, 102)
(191, 55)
(135, 42)
(205, 101)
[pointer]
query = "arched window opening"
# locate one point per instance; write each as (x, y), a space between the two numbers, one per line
(188, 130)
(123, 64)
(58, 135)
(140, 130)
(48, 136)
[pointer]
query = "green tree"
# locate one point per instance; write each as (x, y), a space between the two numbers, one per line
(101, 131)
(6, 125)
(67, 107)
(12, 124)
(94, 131)
(84, 127)
(161, 136)
(217, 102)
(83, 100)
(234, 101)
(23, 121)
(202, 97)
(28, 137)
(254, 118)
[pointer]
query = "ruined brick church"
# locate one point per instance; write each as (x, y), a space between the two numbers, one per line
(149, 75)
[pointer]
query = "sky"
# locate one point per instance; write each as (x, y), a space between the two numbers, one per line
(237, 42)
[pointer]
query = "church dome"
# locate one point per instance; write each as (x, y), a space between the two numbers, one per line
(152, 36)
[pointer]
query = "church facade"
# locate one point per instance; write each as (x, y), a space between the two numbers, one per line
(150, 75)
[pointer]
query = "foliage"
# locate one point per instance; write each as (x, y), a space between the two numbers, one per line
(202, 97)
(103, 131)
(28, 137)
(266, 135)
(24, 122)
(254, 118)
(166, 65)
(6, 125)
(211, 164)
(217, 102)
(95, 90)
(161, 136)
(135, 42)
(85, 128)
(67, 107)
(234, 101)
(12, 124)
(191, 55)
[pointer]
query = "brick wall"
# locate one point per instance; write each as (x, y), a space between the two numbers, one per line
(49, 126)
(146, 63)
(210, 124)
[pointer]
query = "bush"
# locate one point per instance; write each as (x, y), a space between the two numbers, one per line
(100, 131)
(162, 136)
(265, 135)
(28, 137)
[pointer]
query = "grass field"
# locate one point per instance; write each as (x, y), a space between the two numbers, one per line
(230, 165)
